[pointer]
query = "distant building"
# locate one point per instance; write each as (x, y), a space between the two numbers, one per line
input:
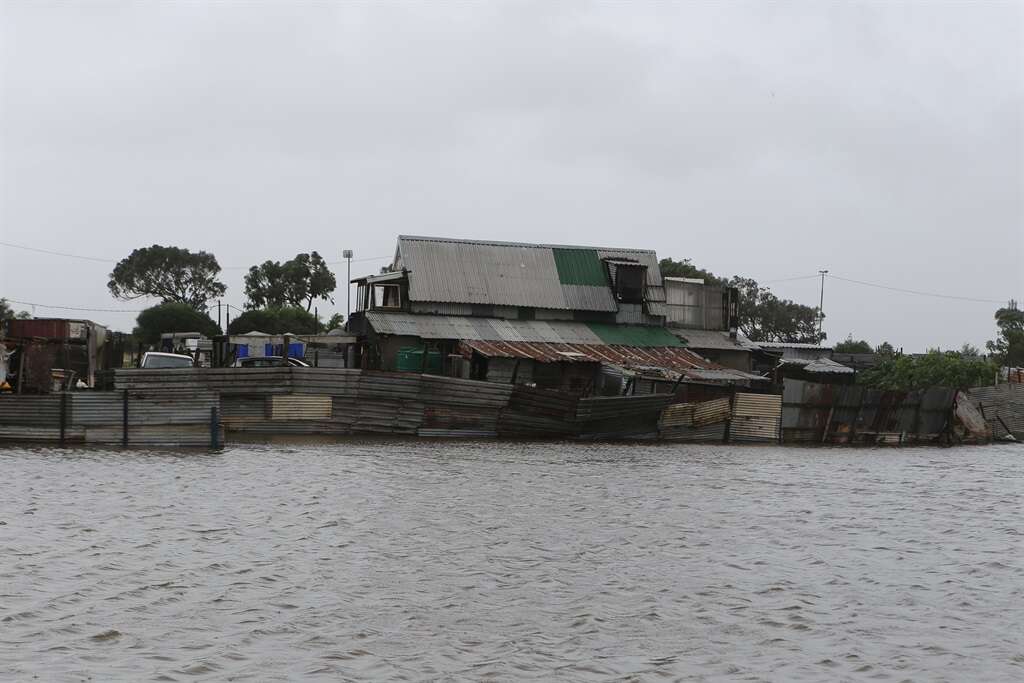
(548, 315)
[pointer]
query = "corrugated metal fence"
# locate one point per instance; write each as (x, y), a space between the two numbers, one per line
(830, 413)
(1002, 407)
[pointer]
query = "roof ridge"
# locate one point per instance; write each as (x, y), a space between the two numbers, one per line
(531, 245)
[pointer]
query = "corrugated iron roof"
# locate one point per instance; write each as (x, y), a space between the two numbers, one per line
(497, 329)
(516, 274)
(792, 345)
(673, 359)
(819, 365)
(709, 339)
(580, 267)
(634, 335)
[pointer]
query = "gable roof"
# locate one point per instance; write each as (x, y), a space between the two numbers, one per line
(516, 274)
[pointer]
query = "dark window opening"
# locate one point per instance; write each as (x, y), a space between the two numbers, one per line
(629, 283)
(527, 313)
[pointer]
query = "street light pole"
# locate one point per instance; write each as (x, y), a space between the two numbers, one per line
(347, 255)
(821, 302)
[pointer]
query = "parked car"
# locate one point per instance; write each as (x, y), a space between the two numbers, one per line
(155, 359)
(268, 362)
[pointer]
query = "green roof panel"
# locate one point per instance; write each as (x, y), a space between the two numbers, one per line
(634, 335)
(580, 267)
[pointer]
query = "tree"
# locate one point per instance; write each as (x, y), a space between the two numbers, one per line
(885, 349)
(171, 274)
(275, 320)
(969, 350)
(933, 369)
(1008, 348)
(297, 282)
(684, 268)
(766, 317)
(762, 315)
(334, 322)
(172, 317)
(7, 313)
(848, 345)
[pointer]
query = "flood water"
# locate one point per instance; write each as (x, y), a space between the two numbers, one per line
(483, 560)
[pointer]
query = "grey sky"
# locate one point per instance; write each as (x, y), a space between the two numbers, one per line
(882, 141)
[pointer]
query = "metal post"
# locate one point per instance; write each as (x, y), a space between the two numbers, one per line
(347, 255)
(214, 428)
(821, 302)
(124, 418)
(63, 415)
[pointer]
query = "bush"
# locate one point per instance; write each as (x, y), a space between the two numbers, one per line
(172, 317)
(934, 369)
(275, 321)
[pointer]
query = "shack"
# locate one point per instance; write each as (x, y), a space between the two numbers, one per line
(50, 354)
(552, 316)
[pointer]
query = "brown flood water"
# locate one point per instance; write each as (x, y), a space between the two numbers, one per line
(483, 560)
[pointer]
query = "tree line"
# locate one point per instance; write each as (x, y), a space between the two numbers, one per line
(763, 316)
(279, 295)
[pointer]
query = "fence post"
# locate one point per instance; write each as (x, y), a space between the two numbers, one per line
(124, 418)
(63, 415)
(214, 428)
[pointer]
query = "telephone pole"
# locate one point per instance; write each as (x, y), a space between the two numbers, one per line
(821, 302)
(347, 255)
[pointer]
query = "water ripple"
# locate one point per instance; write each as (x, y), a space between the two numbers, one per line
(478, 560)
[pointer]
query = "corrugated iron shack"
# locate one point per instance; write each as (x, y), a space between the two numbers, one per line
(48, 354)
(551, 316)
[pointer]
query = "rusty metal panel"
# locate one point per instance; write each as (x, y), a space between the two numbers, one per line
(710, 412)
(300, 407)
(754, 428)
(708, 433)
(678, 415)
(758, 405)
(50, 328)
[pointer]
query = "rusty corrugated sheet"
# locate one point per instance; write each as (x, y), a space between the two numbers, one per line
(50, 328)
(300, 407)
(709, 412)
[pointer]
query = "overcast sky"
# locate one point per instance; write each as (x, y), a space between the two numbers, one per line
(882, 141)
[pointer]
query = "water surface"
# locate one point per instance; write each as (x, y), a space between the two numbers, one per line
(484, 560)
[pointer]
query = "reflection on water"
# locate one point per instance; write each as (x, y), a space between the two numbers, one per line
(404, 559)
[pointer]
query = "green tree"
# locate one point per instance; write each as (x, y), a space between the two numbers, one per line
(672, 268)
(885, 349)
(766, 317)
(933, 369)
(275, 320)
(1008, 348)
(172, 317)
(297, 282)
(171, 274)
(849, 345)
(334, 322)
(7, 313)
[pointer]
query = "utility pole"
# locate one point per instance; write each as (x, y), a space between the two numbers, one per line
(347, 255)
(821, 302)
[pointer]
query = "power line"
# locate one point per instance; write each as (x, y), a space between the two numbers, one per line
(76, 308)
(918, 292)
(106, 260)
(57, 253)
(791, 279)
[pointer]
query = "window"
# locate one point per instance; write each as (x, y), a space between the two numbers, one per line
(629, 283)
(387, 296)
